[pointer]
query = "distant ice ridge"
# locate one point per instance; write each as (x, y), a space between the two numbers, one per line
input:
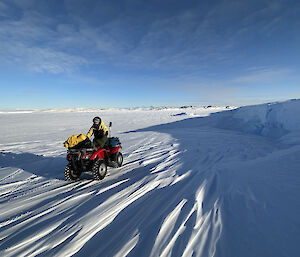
(271, 119)
(280, 114)
(115, 109)
(16, 111)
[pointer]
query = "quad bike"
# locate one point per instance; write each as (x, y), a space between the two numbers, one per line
(84, 158)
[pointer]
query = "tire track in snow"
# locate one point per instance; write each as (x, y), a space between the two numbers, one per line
(161, 186)
(46, 198)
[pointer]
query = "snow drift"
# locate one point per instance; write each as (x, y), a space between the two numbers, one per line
(271, 120)
(226, 184)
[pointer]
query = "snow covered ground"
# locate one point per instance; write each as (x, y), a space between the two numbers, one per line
(195, 182)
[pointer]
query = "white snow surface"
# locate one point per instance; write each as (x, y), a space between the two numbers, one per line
(195, 182)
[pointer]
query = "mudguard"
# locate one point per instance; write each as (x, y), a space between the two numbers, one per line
(100, 154)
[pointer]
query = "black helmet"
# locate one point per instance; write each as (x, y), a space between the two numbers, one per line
(97, 120)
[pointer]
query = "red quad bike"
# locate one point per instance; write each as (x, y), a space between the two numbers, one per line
(83, 158)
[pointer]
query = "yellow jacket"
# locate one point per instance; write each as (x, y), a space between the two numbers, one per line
(102, 130)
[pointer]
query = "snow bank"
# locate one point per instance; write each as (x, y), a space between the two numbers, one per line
(271, 120)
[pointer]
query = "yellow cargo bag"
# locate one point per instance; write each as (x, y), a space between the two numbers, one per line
(74, 140)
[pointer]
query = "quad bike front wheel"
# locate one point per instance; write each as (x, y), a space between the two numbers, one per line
(99, 169)
(71, 174)
(119, 159)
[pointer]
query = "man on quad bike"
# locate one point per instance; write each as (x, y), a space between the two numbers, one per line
(100, 132)
(82, 158)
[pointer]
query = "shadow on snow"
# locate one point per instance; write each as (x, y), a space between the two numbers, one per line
(143, 218)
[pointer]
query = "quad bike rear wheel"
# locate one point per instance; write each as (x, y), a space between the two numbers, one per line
(99, 169)
(71, 174)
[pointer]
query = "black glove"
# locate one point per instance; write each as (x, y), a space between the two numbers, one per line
(100, 133)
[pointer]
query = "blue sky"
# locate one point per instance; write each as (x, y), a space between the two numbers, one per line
(88, 53)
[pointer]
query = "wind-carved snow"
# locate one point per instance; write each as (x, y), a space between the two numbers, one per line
(225, 184)
(165, 231)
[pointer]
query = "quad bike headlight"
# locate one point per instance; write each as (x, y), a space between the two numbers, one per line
(86, 156)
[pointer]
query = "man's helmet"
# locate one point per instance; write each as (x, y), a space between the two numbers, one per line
(97, 120)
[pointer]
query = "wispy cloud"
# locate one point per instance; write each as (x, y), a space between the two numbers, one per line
(262, 75)
(192, 39)
(3, 9)
(213, 92)
(26, 42)
(170, 42)
(38, 59)
(256, 85)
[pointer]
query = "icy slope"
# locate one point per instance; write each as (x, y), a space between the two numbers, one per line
(204, 186)
(271, 120)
